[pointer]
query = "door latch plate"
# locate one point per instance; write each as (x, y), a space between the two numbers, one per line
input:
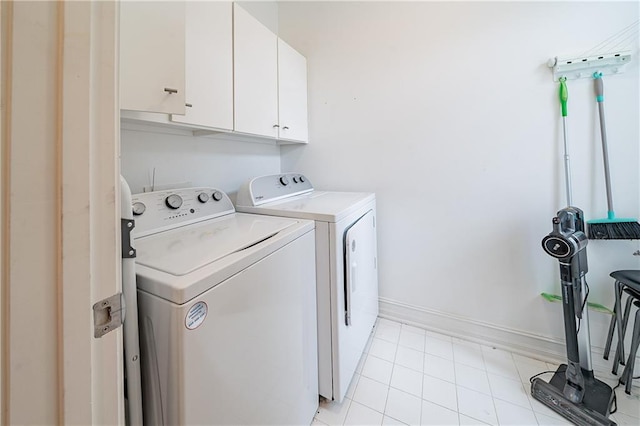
(108, 315)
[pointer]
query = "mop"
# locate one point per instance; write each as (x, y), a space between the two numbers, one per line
(611, 228)
(564, 96)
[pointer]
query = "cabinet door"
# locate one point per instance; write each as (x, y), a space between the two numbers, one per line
(209, 65)
(152, 56)
(255, 58)
(292, 94)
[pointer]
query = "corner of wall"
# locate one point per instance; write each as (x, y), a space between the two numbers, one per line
(264, 11)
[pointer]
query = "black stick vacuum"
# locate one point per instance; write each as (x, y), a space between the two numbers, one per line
(573, 391)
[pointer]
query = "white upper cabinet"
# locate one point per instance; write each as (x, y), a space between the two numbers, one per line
(255, 76)
(292, 94)
(209, 65)
(152, 56)
(270, 82)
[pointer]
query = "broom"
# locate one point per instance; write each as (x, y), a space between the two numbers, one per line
(611, 228)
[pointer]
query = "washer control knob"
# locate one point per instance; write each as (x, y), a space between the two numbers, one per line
(295, 179)
(301, 178)
(284, 181)
(138, 208)
(173, 201)
(203, 197)
(217, 195)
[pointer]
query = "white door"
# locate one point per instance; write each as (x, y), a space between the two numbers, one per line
(361, 283)
(60, 223)
(255, 58)
(152, 67)
(292, 94)
(208, 65)
(360, 305)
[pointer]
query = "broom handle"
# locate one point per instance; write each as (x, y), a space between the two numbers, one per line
(599, 87)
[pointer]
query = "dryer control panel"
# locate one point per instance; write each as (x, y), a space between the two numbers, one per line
(163, 210)
(265, 189)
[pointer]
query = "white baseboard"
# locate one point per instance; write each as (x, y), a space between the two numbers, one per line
(516, 341)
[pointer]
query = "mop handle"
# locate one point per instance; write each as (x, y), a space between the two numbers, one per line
(567, 165)
(564, 95)
(599, 88)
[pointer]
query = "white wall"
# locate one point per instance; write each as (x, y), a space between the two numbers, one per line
(264, 11)
(449, 113)
(201, 161)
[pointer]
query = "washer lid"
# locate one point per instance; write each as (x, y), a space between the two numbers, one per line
(326, 206)
(184, 250)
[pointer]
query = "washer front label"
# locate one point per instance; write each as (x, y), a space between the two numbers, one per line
(196, 315)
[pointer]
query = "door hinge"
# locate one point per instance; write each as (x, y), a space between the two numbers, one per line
(108, 314)
(126, 226)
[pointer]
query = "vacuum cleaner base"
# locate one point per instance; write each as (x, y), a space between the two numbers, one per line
(594, 408)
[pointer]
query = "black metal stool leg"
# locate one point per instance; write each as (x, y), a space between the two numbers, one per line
(627, 374)
(625, 324)
(612, 324)
(620, 349)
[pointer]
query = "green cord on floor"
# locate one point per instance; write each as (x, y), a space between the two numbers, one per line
(594, 306)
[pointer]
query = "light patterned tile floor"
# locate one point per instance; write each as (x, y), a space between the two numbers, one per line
(410, 376)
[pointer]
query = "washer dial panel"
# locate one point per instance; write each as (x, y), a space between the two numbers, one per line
(162, 210)
(274, 187)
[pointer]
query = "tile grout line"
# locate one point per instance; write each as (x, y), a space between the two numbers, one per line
(524, 387)
(422, 380)
(455, 383)
(393, 366)
(493, 399)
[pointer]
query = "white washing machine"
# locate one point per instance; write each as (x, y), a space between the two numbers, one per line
(346, 266)
(226, 312)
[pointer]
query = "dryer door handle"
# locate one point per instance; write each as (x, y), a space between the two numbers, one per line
(350, 277)
(353, 269)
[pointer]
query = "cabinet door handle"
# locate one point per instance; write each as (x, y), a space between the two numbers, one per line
(275, 126)
(170, 90)
(285, 128)
(188, 105)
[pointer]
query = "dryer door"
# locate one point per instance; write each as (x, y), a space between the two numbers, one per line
(360, 273)
(354, 299)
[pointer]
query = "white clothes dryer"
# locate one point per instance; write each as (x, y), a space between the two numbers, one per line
(346, 266)
(226, 312)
